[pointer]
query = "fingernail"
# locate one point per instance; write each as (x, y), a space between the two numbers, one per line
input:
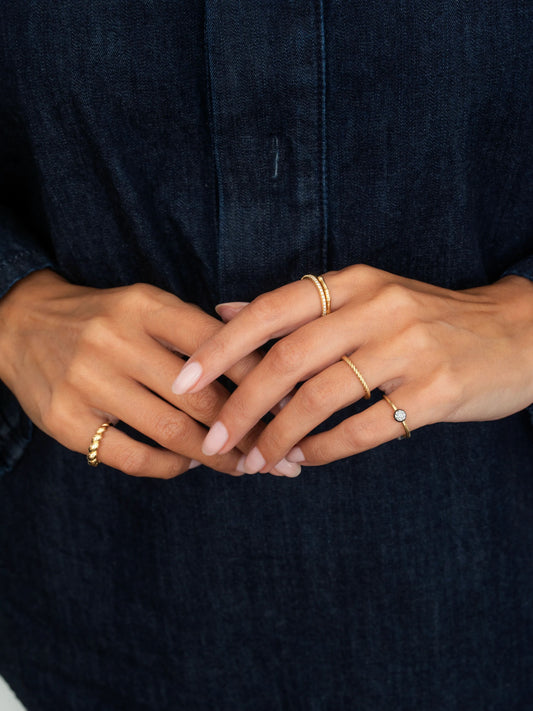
(215, 439)
(254, 461)
(230, 309)
(295, 455)
(284, 401)
(194, 463)
(189, 376)
(288, 468)
(240, 464)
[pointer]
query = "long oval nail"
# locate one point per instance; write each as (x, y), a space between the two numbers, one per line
(288, 468)
(230, 309)
(189, 375)
(295, 455)
(215, 439)
(254, 461)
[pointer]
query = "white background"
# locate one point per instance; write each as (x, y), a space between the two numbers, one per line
(8, 701)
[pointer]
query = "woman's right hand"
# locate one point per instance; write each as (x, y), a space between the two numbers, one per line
(76, 357)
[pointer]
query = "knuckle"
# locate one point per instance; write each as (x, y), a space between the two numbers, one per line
(174, 469)
(285, 356)
(54, 415)
(97, 332)
(274, 442)
(397, 297)
(358, 437)
(134, 298)
(269, 307)
(171, 429)
(446, 386)
(418, 337)
(135, 461)
(312, 396)
(206, 403)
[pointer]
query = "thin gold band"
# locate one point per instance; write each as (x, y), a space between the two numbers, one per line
(92, 456)
(320, 290)
(326, 294)
(400, 417)
(323, 292)
(363, 382)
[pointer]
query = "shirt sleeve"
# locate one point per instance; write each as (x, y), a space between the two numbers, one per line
(20, 254)
(523, 268)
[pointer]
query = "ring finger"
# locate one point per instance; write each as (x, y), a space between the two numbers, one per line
(317, 399)
(171, 428)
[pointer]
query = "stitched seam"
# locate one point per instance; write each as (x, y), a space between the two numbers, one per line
(323, 137)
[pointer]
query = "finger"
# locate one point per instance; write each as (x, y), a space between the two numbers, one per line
(171, 428)
(118, 450)
(267, 317)
(366, 430)
(295, 358)
(317, 399)
(155, 367)
(184, 327)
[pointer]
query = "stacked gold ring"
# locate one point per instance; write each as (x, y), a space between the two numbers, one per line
(399, 416)
(323, 292)
(357, 372)
(92, 456)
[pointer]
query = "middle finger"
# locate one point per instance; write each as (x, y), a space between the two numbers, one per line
(295, 358)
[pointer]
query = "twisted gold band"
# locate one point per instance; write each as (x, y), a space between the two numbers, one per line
(363, 382)
(92, 456)
(399, 416)
(323, 292)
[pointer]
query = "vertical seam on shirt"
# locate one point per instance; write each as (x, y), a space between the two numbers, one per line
(214, 142)
(323, 137)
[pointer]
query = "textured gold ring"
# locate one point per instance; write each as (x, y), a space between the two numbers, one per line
(399, 416)
(92, 456)
(320, 290)
(363, 382)
(327, 295)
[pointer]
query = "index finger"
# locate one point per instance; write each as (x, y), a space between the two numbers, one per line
(270, 315)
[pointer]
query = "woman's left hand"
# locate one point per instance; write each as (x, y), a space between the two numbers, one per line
(439, 355)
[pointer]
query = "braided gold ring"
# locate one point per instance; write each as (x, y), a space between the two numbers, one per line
(92, 456)
(357, 372)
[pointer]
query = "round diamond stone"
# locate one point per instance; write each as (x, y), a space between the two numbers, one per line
(400, 415)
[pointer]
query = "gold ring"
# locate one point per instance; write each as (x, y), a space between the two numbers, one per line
(326, 294)
(363, 382)
(399, 416)
(320, 290)
(92, 456)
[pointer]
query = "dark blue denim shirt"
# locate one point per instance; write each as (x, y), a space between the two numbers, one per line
(221, 150)
(221, 154)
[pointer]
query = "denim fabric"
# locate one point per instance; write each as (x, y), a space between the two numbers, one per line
(218, 151)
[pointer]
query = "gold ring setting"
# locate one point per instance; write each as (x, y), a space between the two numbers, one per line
(400, 416)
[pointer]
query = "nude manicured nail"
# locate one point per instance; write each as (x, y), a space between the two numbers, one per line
(254, 461)
(229, 309)
(284, 401)
(216, 438)
(295, 455)
(189, 375)
(240, 464)
(194, 463)
(288, 468)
